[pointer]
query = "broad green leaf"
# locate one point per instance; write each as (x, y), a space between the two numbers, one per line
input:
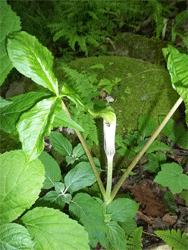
(21, 183)
(35, 124)
(9, 22)
(146, 125)
(63, 120)
(172, 176)
(15, 236)
(4, 103)
(177, 65)
(90, 214)
(32, 59)
(52, 170)
(54, 230)
(10, 114)
(122, 209)
(116, 235)
(60, 143)
(79, 177)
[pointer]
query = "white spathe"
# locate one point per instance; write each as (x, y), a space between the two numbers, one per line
(109, 130)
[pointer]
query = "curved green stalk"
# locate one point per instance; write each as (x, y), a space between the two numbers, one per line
(141, 153)
(109, 179)
(101, 186)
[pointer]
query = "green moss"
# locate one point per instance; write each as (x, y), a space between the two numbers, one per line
(144, 89)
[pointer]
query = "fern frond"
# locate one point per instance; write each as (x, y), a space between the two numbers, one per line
(82, 84)
(174, 239)
(134, 239)
(87, 122)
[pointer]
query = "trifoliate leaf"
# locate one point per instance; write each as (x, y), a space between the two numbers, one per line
(21, 183)
(52, 229)
(172, 176)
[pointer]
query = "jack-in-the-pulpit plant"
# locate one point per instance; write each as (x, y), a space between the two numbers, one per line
(109, 130)
(25, 172)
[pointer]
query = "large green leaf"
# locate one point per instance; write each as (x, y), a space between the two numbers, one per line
(9, 22)
(79, 177)
(177, 65)
(116, 235)
(37, 123)
(60, 143)
(122, 209)
(21, 183)
(10, 114)
(172, 176)
(90, 213)
(15, 236)
(32, 59)
(54, 230)
(52, 170)
(63, 120)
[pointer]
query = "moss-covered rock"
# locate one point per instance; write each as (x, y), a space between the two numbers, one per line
(144, 88)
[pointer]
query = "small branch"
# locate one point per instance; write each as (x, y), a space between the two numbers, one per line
(141, 153)
(101, 186)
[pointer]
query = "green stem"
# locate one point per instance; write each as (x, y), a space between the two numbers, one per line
(141, 153)
(101, 186)
(109, 179)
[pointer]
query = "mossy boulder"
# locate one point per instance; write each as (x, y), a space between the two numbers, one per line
(144, 88)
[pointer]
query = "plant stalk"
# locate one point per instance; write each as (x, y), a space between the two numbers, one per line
(101, 186)
(141, 153)
(109, 179)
